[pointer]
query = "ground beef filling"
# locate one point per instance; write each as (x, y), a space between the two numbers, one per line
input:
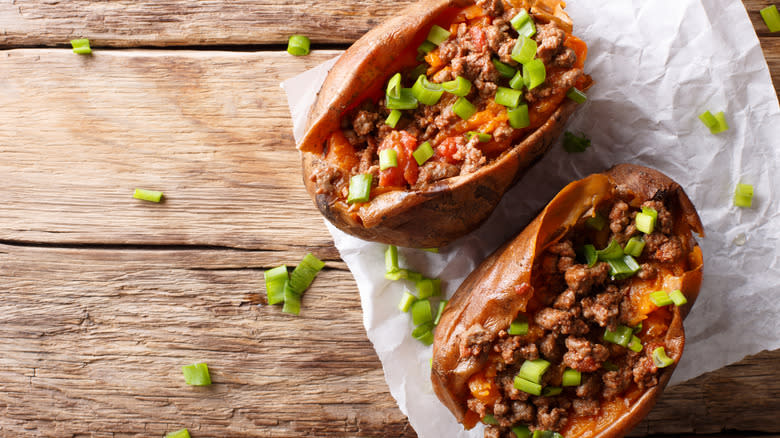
(574, 304)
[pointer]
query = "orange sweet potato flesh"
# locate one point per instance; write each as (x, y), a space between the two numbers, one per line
(442, 211)
(501, 287)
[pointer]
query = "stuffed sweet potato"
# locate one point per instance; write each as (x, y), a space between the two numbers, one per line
(427, 120)
(575, 326)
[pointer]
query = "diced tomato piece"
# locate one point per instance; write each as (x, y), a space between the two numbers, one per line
(407, 169)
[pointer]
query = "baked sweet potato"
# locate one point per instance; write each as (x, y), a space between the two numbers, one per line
(476, 147)
(543, 298)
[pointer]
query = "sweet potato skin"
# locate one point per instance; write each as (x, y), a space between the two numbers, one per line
(443, 211)
(501, 286)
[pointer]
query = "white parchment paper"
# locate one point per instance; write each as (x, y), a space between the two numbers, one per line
(656, 66)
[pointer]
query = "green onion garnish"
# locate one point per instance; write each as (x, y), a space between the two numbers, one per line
(391, 258)
(634, 246)
(425, 47)
(645, 221)
(573, 144)
(459, 86)
(196, 374)
(181, 433)
(438, 35)
(660, 298)
(571, 377)
(405, 102)
(743, 196)
(394, 86)
(678, 297)
(591, 255)
(624, 267)
(489, 419)
(621, 335)
(274, 284)
(612, 251)
(771, 17)
(609, 366)
(360, 188)
(425, 288)
(660, 358)
(421, 312)
(526, 386)
(407, 299)
(519, 326)
(442, 305)
(551, 391)
(393, 118)
(576, 95)
(424, 333)
(427, 93)
(508, 97)
(520, 19)
(292, 300)
(147, 195)
(517, 82)
(546, 434)
(532, 370)
(298, 45)
(388, 158)
(635, 345)
(423, 153)
(483, 138)
(524, 51)
(304, 273)
(534, 73)
(81, 46)
(521, 431)
(597, 222)
(518, 117)
(504, 70)
(463, 108)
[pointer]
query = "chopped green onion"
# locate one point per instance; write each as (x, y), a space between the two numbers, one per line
(528, 29)
(521, 431)
(771, 17)
(532, 370)
(274, 284)
(591, 255)
(407, 299)
(526, 386)
(298, 45)
(81, 46)
(148, 195)
(520, 19)
(551, 391)
(508, 97)
(709, 120)
(638, 327)
(181, 433)
(425, 288)
(388, 158)
(612, 251)
(483, 138)
(597, 222)
(519, 326)
(624, 267)
(574, 144)
(635, 345)
(678, 297)
(634, 246)
(546, 434)
(304, 273)
(517, 82)
(518, 117)
(423, 153)
(504, 70)
(660, 358)
(438, 35)
(660, 298)
(424, 333)
(571, 377)
(463, 108)
(421, 312)
(609, 366)
(645, 221)
(405, 102)
(360, 188)
(534, 73)
(489, 419)
(292, 300)
(391, 258)
(393, 118)
(425, 47)
(196, 374)
(442, 305)
(524, 51)
(459, 86)
(576, 95)
(743, 196)
(427, 93)
(621, 335)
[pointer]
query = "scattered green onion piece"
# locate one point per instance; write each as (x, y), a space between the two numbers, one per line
(304, 273)
(81, 46)
(520, 19)
(518, 117)
(274, 284)
(196, 374)
(609, 366)
(425, 47)
(551, 391)
(489, 419)
(621, 335)
(504, 70)
(574, 144)
(526, 386)
(424, 333)
(463, 108)
(508, 97)
(634, 246)
(722, 124)
(645, 221)
(612, 251)
(438, 35)
(181, 433)
(571, 377)
(528, 29)
(546, 434)
(298, 45)
(393, 118)
(517, 82)
(407, 100)
(532, 370)
(407, 299)
(743, 196)
(638, 327)
(678, 298)
(147, 195)
(421, 312)
(427, 93)
(709, 120)
(624, 267)
(360, 188)
(519, 326)
(292, 300)
(635, 345)
(771, 17)
(391, 258)
(442, 305)
(576, 95)
(388, 158)
(597, 222)
(534, 73)
(591, 255)
(660, 298)
(660, 358)
(521, 431)
(425, 288)
(524, 51)
(423, 153)
(459, 86)
(483, 138)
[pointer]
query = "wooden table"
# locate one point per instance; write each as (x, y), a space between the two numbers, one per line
(104, 298)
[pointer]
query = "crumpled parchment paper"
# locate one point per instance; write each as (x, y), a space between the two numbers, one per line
(656, 65)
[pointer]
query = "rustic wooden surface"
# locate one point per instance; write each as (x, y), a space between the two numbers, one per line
(105, 297)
